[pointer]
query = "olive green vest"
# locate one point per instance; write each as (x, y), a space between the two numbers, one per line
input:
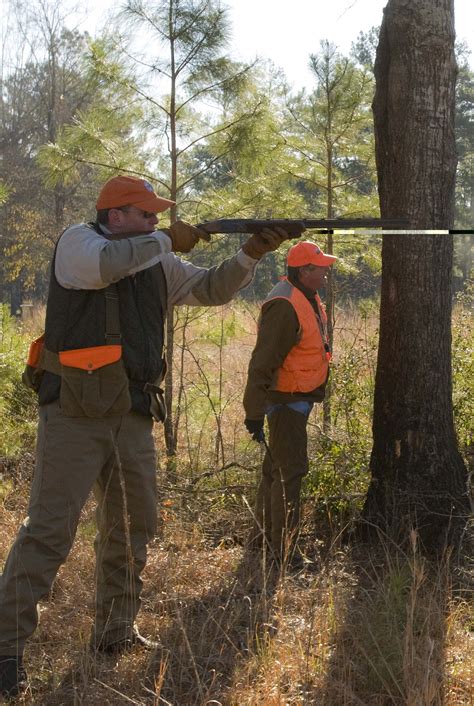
(76, 319)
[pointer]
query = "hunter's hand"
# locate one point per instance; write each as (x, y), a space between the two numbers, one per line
(255, 429)
(184, 236)
(268, 240)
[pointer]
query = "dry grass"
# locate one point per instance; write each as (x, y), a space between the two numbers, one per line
(371, 627)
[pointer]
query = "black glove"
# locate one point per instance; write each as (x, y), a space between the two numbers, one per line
(255, 428)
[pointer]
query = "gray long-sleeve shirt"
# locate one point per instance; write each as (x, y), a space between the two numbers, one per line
(86, 259)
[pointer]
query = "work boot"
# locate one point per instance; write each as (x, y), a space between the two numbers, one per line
(126, 644)
(13, 677)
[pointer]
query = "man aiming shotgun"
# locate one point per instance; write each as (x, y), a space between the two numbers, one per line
(97, 374)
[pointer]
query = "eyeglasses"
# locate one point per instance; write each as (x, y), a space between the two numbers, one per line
(144, 214)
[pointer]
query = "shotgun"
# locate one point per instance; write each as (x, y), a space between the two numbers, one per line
(296, 226)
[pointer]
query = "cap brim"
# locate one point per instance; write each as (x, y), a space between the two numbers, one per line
(319, 260)
(324, 260)
(154, 203)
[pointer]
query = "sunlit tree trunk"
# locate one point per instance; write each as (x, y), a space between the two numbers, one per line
(330, 293)
(418, 475)
(190, 37)
(170, 431)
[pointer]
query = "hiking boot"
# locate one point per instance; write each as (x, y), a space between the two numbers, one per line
(13, 677)
(126, 644)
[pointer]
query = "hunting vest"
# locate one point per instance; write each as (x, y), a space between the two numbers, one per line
(306, 366)
(77, 321)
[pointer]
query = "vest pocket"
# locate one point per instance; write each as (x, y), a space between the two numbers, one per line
(95, 392)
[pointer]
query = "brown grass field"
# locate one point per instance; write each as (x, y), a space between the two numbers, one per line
(368, 626)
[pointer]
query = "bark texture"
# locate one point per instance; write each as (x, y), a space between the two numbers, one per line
(418, 475)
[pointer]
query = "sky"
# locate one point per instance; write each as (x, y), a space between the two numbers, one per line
(288, 32)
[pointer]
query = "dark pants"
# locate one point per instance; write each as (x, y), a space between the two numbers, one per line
(277, 510)
(116, 458)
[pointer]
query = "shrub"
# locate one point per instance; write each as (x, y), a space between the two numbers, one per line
(17, 402)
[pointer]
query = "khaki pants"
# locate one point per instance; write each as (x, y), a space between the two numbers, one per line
(277, 509)
(75, 455)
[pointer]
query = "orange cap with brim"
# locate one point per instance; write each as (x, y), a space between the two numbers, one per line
(131, 191)
(308, 253)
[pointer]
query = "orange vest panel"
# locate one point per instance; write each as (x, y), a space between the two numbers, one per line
(307, 364)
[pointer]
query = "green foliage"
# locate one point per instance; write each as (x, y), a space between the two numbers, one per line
(338, 475)
(223, 331)
(201, 26)
(27, 251)
(463, 368)
(364, 49)
(463, 251)
(12, 346)
(17, 403)
(98, 136)
(330, 135)
(189, 89)
(3, 193)
(52, 104)
(464, 138)
(253, 179)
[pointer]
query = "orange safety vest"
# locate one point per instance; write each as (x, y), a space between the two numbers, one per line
(306, 366)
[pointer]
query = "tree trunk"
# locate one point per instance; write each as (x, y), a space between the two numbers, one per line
(330, 294)
(418, 475)
(330, 306)
(171, 440)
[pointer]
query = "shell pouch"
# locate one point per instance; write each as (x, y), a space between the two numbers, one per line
(33, 372)
(94, 383)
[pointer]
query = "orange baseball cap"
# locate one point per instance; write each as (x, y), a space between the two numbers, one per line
(131, 191)
(308, 253)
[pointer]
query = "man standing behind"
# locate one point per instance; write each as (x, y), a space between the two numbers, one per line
(287, 374)
(102, 362)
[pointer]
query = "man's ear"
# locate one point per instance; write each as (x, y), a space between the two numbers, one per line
(115, 217)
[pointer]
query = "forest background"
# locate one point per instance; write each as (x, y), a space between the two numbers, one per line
(237, 139)
(223, 138)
